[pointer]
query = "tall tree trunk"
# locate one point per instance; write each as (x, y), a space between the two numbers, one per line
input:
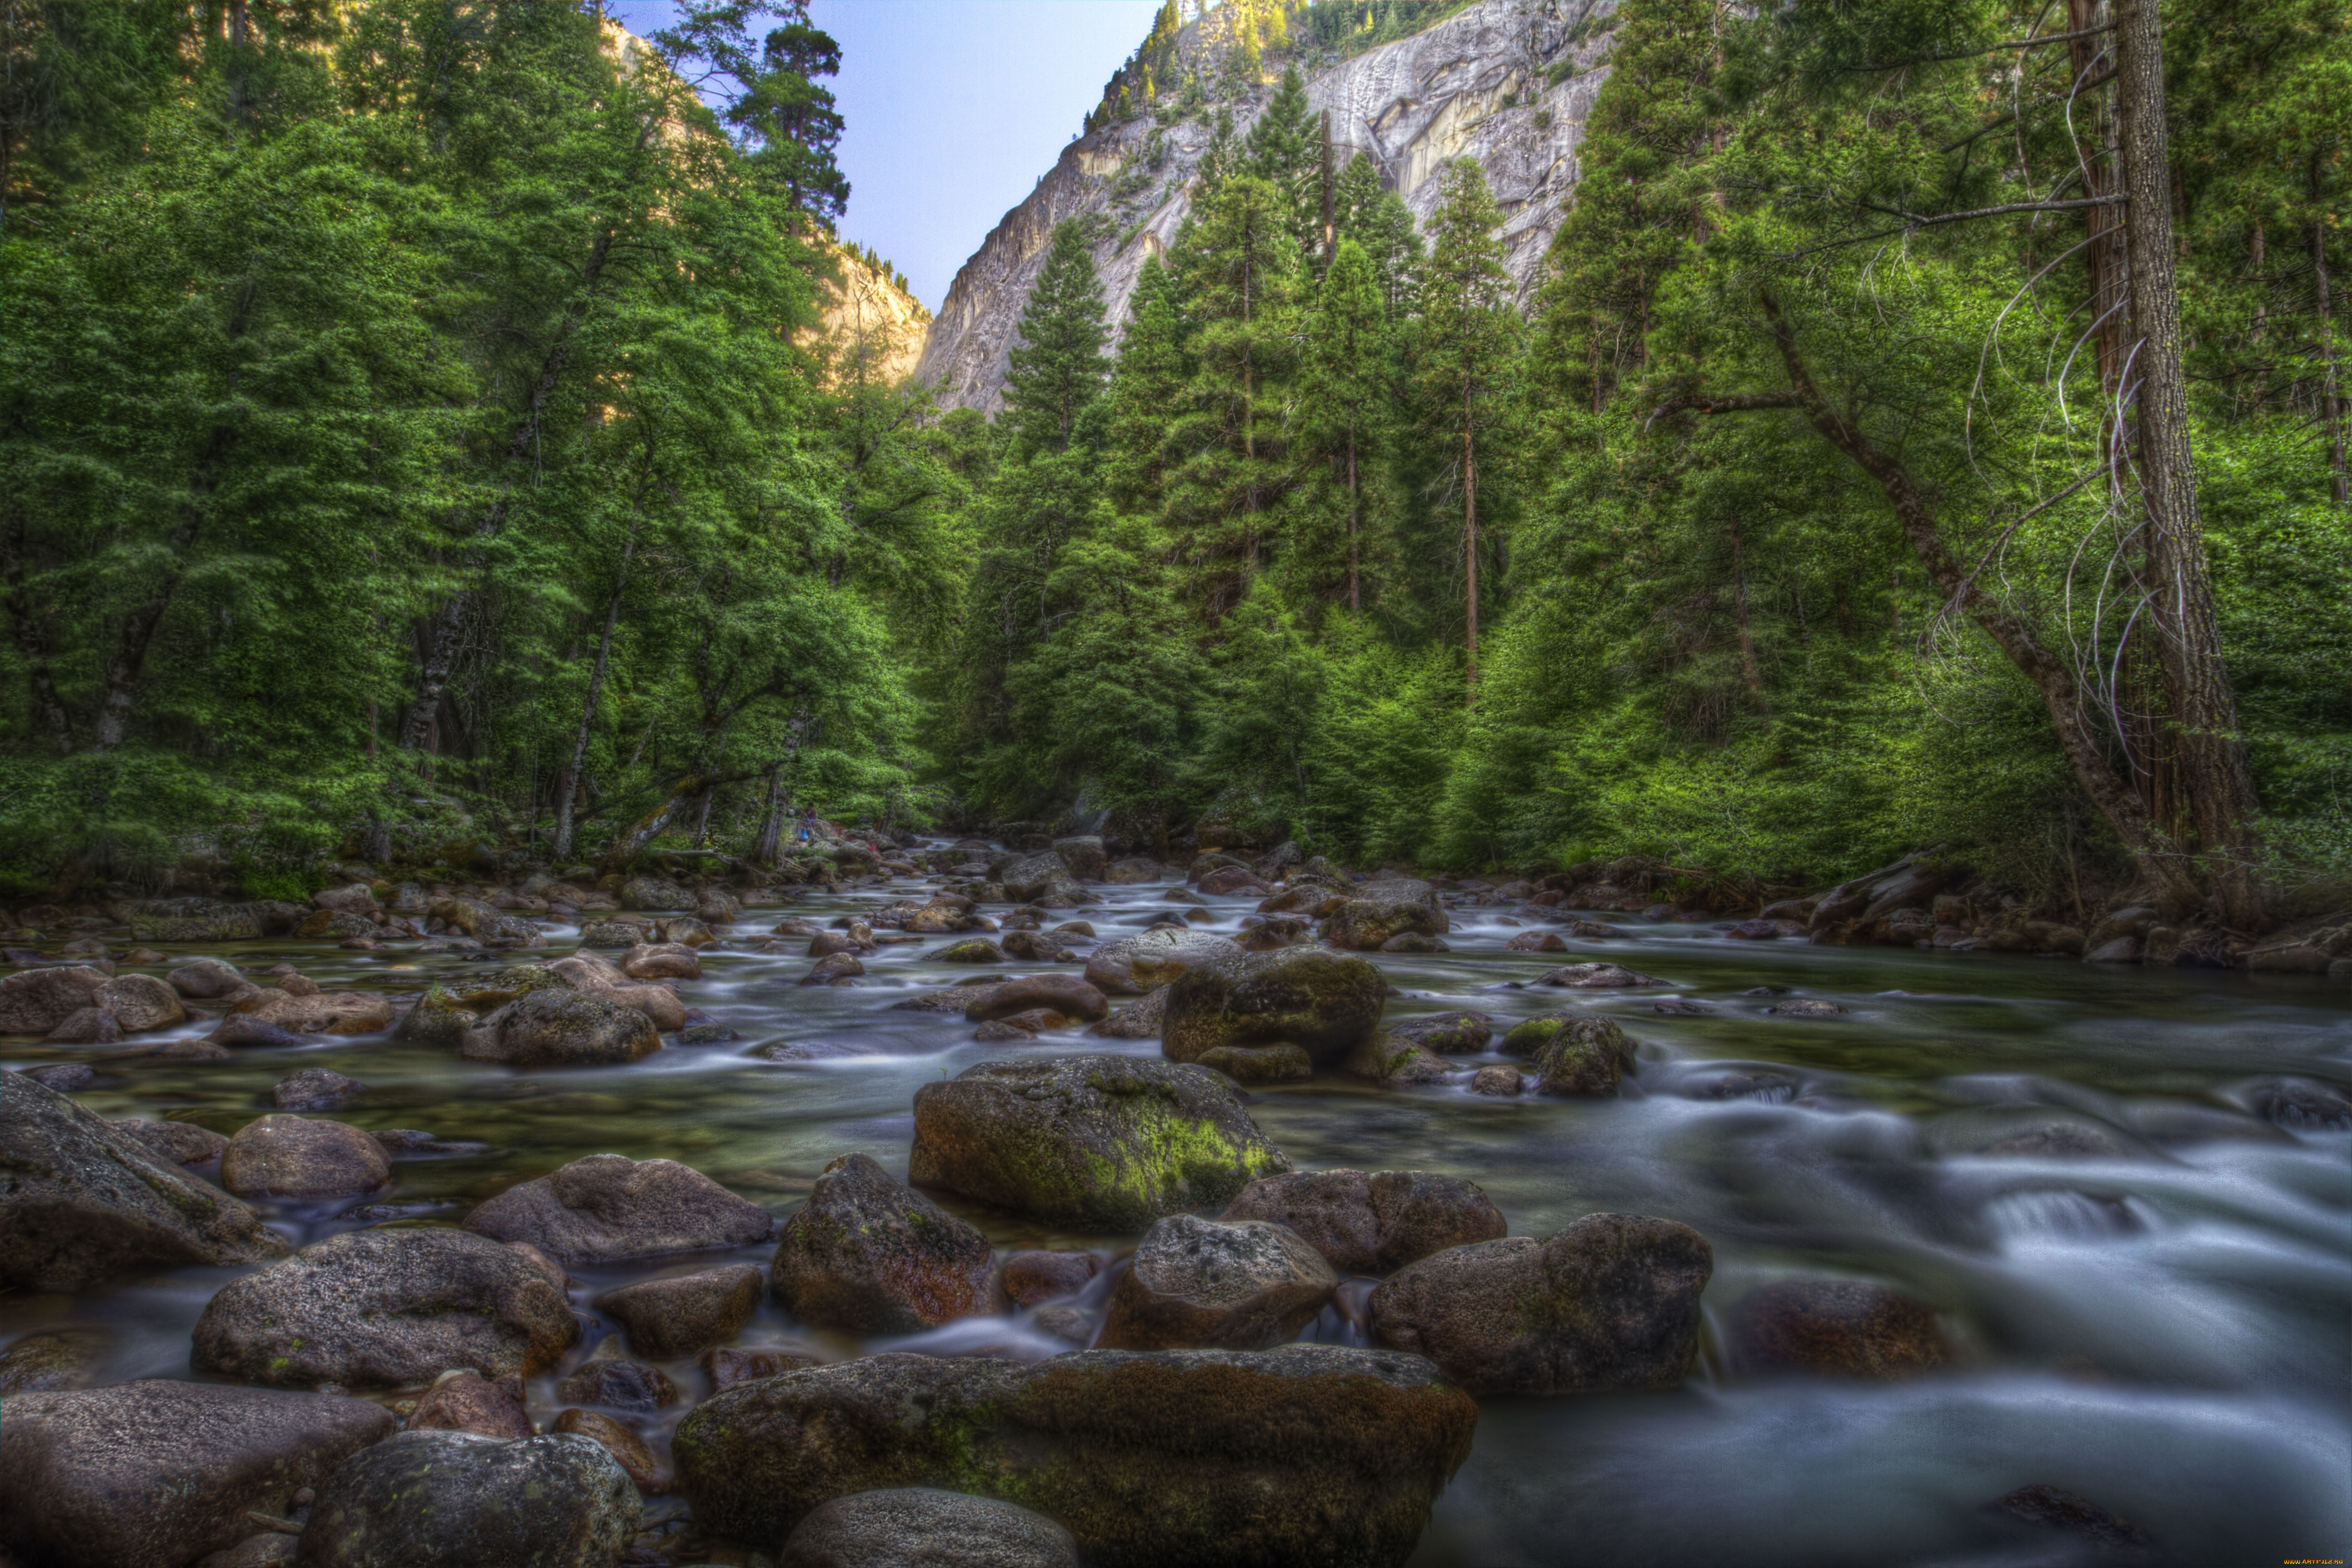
(567, 783)
(2102, 226)
(130, 641)
(1749, 668)
(2331, 399)
(1470, 532)
(33, 644)
(1330, 228)
(642, 831)
(768, 849)
(2211, 750)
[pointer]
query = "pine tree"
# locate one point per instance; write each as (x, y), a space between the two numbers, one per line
(1148, 384)
(1242, 269)
(1286, 150)
(1378, 221)
(1469, 341)
(1343, 392)
(1221, 159)
(1058, 367)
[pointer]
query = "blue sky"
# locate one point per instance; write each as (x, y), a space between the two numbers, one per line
(955, 107)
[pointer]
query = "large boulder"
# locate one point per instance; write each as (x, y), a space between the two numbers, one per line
(387, 1308)
(456, 1500)
(1322, 1002)
(175, 1143)
(1611, 1301)
(868, 1255)
(1302, 1454)
(302, 1158)
(556, 1028)
(156, 1474)
(1104, 1142)
(1447, 1034)
(1576, 1054)
(81, 1201)
(683, 1314)
(654, 893)
(607, 1207)
(920, 1527)
(320, 1012)
(1084, 856)
(1218, 1285)
(139, 1002)
(1133, 965)
(1376, 1223)
(1028, 878)
(463, 1400)
(1139, 1020)
(1132, 870)
(35, 1002)
(1374, 913)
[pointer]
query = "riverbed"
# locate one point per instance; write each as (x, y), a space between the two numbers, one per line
(2158, 1324)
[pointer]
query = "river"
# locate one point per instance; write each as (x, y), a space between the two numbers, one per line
(2161, 1327)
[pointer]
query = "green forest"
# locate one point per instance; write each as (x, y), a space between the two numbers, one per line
(1928, 433)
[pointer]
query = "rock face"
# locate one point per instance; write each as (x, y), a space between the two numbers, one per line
(1845, 1327)
(1304, 1454)
(558, 1028)
(869, 323)
(1612, 1302)
(684, 1314)
(867, 1255)
(452, 1500)
(1216, 1285)
(1377, 1223)
(1480, 84)
(918, 1527)
(1321, 1002)
(386, 1309)
(1105, 1143)
(295, 1156)
(607, 1207)
(157, 1474)
(1137, 964)
(81, 1201)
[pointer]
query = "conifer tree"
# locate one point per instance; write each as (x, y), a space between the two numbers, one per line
(1467, 343)
(1286, 150)
(1058, 367)
(1378, 221)
(1343, 391)
(1223, 158)
(1146, 384)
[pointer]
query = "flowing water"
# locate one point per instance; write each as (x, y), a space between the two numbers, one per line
(2161, 1327)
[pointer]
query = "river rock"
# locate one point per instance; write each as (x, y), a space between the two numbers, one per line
(1218, 1285)
(868, 1255)
(681, 1314)
(1105, 1143)
(1374, 1223)
(1259, 1063)
(38, 1362)
(35, 1002)
(607, 1207)
(953, 999)
(301, 1156)
(323, 1012)
(1132, 964)
(437, 1020)
(86, 1026)
(561, 1028)
(1064, 994)
(81, 1201)
(1535, 941)
(463, 1400)
(315, 1088)
(1806, 1008)
(1596, 978)
(2299, 1103)
(1083, 854)
(1301, 1454)
(1576, 1054)
(205, 979)
(1322, 1002)
(453, 1500)
(1500, 1082)
(1031, 1278)
(835, 969)
(156, 1474)
(387, 1308)
(826, 944)
(1394, 1064)
(609, 1378)
(1228, 880)
(918, 1527)
(661, 961)
(1844, 1327)
(628, 1450)
(1447, 1034)
(653, 893)
(1611, 1301)
(65, 1077)
(139, 1002)
(1038, 947)
(1029, 878)
(244, 1029)
(1139, 1020)
(729, 1364)
(1374, 912)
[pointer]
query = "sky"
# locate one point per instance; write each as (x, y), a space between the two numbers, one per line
(955, 109)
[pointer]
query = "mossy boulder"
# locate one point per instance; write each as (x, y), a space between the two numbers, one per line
(1260, 1063)
(1301, 1454)
(1375, 913)
(1390, 1060)
(437, 1020)
(484, 993)
(1324, 1003)
(1575, 1055)
(1610, 1303)
(558, 1027)
(430, 1498)
(1244, 1284)
(1447, 1034)
(1100, 1143)
(1376, 1222)
(1132, 964)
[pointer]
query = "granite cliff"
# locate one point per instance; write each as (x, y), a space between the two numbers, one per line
(871, 325)
(1508, 82)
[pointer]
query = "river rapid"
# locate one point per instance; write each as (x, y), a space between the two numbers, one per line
(2161, 1327)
